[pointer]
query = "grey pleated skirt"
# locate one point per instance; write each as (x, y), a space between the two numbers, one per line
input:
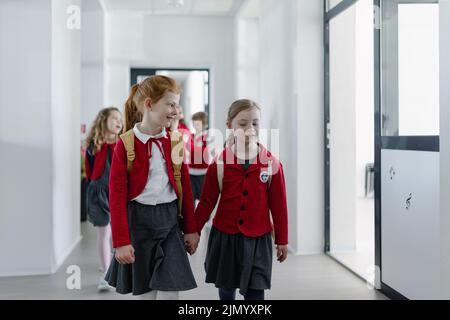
(161, 261)
(238, 261)
(97, 195)
(97, 203)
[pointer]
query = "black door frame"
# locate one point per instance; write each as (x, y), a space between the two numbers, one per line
(423, 143)
(135, 72)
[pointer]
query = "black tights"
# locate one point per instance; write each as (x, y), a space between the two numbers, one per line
(230, 294)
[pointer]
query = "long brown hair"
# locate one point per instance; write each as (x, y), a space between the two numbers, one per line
(97, 134)
(153, 87)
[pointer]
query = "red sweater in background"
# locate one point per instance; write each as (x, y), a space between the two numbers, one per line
(98, 159)
(199, 154)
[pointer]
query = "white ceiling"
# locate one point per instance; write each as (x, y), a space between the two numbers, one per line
(250, 9)
(163, 7)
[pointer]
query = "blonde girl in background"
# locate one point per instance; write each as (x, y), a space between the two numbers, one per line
(100, 144)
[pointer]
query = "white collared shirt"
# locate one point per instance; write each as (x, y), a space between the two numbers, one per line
(158, 188)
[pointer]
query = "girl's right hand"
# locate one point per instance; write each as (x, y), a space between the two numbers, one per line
(125, 254)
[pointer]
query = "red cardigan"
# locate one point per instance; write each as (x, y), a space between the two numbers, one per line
(245, 200)
(124, 187)
(99, 160)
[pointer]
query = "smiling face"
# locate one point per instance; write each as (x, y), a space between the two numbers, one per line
(245, 126)
(180, 113)
(114, 122)
(163, 112)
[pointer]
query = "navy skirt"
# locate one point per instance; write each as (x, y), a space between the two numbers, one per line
(97, 194)
(161, 261)
(238, 261)
(97, 204)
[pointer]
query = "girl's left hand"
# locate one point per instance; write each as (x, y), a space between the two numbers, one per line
(282, 252)
(191, 242)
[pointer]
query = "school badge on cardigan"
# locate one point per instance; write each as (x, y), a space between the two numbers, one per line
(264, 176)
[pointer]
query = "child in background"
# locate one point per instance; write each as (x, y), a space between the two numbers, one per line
(100, 144)
(199, 153)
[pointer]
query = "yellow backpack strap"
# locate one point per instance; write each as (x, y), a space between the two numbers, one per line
(128, 142)
(177, 147)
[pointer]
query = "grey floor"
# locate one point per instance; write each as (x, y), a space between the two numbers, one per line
(298, 278)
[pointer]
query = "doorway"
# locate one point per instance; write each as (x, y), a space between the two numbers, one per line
(350, 140)
(194, 83)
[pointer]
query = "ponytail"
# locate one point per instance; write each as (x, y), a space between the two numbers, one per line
(131, 112)
(153, 87)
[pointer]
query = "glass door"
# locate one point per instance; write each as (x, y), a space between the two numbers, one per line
(350, 141)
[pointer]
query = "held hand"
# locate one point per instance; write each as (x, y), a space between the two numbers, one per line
(125, 254)
(191, 242)
(282, 252)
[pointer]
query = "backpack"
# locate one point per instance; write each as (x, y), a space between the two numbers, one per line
(175, 138)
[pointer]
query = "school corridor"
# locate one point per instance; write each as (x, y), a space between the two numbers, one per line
(351, 96)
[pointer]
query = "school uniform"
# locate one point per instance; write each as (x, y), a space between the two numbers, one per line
(199, 161)
(183, 127)
(239, 253)
(97, 174)
(144, 214)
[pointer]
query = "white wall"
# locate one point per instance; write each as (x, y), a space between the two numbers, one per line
(277, 96)
(65, 120)
(25, 137)
(170, 42)
(310, 163)
(290, 92)
(247, 60)
(444, 20)
(92, 62)
(39, 128)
